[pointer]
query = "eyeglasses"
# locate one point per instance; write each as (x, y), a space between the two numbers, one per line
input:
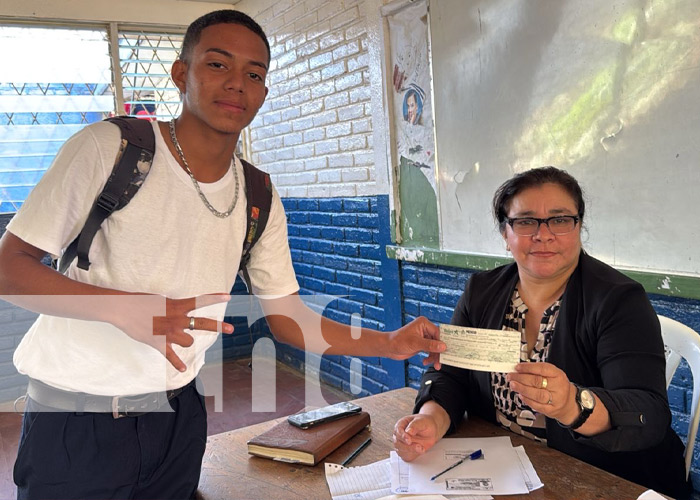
(528, 226)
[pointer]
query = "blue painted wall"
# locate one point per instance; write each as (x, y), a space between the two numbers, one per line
(337, 247)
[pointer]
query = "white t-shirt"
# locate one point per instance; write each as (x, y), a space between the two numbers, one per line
(165, 241)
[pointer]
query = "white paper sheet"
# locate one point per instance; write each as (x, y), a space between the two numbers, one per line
(380, 479)
(497, 473)
(399, 473)
(416, 497)
(372, 482)
(532, 480)
(435, 497)
(366, 482)
(651, 495)
(480, 349)
(396, 478)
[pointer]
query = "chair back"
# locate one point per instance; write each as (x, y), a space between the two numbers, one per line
(681, 341)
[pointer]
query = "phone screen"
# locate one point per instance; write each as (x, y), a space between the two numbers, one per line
(325, 414)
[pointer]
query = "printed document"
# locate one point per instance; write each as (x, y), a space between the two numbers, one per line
(372, 482)
(366, 482)
(497, 473)
(532, 480)
(480, 349)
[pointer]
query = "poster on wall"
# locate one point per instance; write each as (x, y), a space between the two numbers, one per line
(410, 74)
(412, 121)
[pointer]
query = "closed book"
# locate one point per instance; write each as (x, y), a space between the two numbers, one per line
(287, 443)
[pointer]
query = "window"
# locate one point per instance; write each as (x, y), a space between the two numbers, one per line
(46, 95)
(56, 80)
(145, 60)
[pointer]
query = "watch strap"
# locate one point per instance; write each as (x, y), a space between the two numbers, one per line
(582, 416)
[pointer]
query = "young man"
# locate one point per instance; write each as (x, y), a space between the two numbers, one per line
(107, 332)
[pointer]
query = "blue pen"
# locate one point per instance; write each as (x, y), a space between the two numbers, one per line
(473, 456)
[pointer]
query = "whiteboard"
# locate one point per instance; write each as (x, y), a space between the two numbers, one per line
(608, 90)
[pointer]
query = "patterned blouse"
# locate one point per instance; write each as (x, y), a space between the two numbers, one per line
(511, 412)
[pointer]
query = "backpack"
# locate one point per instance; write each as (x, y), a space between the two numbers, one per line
(131, 167)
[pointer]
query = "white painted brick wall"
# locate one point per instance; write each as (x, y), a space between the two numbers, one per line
(314, 132)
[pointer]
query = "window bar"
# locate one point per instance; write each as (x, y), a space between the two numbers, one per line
(116, 69)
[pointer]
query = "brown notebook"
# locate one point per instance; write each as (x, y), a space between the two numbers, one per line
(287, 443)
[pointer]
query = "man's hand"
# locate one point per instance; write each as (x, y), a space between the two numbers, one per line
(293, 322)
(420, 335)
(151, 319)
(141, 318)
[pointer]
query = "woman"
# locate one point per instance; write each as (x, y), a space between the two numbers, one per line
(591, 379)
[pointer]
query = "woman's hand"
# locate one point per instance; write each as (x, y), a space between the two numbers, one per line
(546, 389)
(414, 435)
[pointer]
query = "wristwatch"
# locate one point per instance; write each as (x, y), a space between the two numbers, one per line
(586, 402)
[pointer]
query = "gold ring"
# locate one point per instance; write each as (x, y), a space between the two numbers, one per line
(191, 322)
(550, 399)
(544, 382)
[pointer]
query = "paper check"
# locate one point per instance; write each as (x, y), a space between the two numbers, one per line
(480, 349)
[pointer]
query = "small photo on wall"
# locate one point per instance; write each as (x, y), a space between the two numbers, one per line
(413, 104)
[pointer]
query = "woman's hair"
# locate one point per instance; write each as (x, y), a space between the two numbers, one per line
(535, 178)
(194, 30)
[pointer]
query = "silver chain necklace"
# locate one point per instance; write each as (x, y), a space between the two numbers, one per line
(221, 215)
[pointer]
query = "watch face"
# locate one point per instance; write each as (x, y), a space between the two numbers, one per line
(587, 399)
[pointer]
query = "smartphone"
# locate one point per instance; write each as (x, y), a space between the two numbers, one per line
(325, 414)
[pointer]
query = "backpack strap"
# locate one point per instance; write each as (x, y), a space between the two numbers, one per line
(131, 166)
(259, 198)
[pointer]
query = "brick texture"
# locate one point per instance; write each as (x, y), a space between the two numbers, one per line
(14, 323)
(335, 251)
(314, 132)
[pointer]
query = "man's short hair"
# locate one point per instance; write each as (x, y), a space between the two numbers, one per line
(194, 30)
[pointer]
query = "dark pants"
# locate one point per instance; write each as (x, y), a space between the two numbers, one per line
(64, 455)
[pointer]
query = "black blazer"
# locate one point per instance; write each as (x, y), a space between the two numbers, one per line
(607, 338)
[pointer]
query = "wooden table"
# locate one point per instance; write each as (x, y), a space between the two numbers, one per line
(228, 472)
